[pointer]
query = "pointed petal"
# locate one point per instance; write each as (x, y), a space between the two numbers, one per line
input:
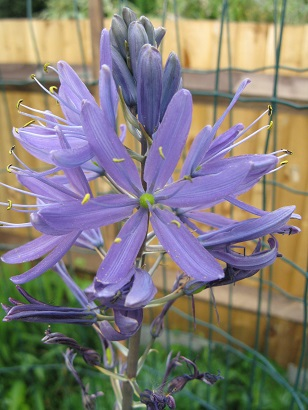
(240, 89)
(109, 150)
(183, 247)
(250, 229)
(72, 215)
(197, 150)
(31, 250)
(123, 252)
(204, 191)
(108, 95)
(260, 165)
(142, 291)
(105, 49)
(169, 141)
(71, 79)
(49, 261)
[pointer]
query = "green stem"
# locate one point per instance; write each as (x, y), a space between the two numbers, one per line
(131, 370)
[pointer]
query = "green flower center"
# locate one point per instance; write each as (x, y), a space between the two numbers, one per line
(146, 199)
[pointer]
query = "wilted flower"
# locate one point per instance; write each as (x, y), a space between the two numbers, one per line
(88, 400)
(37, 311)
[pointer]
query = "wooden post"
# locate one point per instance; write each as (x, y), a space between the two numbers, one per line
(96, 17)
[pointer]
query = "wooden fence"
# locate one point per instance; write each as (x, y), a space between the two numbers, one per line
(27, 45)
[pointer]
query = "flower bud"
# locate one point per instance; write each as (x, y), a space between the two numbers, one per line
(159, 35)
(128, 15)
(149, 88)
(148, 26)
(118, 34)
(171, 81)
(137, 37)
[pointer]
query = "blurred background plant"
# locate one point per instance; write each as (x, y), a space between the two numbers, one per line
(239, 10)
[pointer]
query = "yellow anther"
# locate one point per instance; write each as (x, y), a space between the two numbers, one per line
(28, 123)
(18, 103)
(175, 222)
(160, 149)
(118, 159)
(10, 204)
(8, 168)
(283, 163)
(270, 125)
(52, 89)
(12, 149)
(270, 110)
(187, 178)
(16, 130)
(117, 240)
(86, 199)
(46, 67)
(32, 76)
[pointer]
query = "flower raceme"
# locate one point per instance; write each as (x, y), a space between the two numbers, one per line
(84, 145)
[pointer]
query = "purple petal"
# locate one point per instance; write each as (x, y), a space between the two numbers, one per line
(109, 150)
(72, 157)
(46, 187)
(197, 150)
(123, 252)
(183, 247)
(49, 261)
(222, 142)
(70, 78)
(209, 218)
(240, 89)
(169, 141)
(260, 165)
(204, 191)
(257, 260)
(128, 323)
(72, 215)
(105, 49)
(142, 291)
(250, 229)
(108, 94)
(149, 87)
(31, 250)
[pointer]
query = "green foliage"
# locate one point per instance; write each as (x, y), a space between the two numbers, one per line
(237, 10)
(18, 8)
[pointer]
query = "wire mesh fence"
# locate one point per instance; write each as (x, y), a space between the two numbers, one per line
(259, 341)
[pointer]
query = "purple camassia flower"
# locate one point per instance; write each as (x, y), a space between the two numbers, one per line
(42, 140)
(158, 200)
(49, 190)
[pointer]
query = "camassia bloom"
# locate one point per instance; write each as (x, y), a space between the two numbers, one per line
(150, 195)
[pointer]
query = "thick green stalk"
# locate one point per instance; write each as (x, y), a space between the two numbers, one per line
(131, 371)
